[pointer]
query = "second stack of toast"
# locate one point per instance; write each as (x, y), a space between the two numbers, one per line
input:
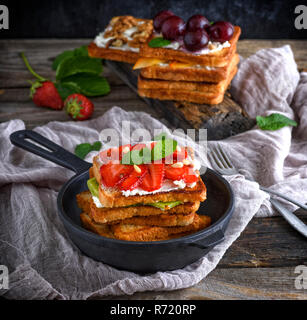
(171, 74)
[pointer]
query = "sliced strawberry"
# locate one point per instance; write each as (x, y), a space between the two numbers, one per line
(113, 154)
(112, 173)
(175, 173)
(180, 154)
(125, 149)
(135, 178)
(190, 178)
(138, 146)
(177, 156)
(154, 179)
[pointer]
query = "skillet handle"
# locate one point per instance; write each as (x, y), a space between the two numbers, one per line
(48, 150)
(210, 241)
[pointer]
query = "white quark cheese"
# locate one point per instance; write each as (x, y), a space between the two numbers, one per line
(166, 187)
(97, 202)
(180, 183)
(101, 42)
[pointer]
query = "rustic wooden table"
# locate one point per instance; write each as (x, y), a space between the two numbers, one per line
(259, 265)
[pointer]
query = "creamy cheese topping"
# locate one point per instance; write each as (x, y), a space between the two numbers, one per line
(168, 185)
(101, 41)
(179, 45)
(97, 202)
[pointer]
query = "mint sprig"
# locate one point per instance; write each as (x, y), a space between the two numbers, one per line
(158, 42)
(162, 149)
(77, 72)
(83, 149)
(274, 122)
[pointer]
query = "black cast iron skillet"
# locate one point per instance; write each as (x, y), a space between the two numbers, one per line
(141, 257)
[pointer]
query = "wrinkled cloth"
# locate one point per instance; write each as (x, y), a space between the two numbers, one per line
(43, 262)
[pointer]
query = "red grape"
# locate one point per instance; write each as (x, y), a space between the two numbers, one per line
(160, 17)
(172, 28)
(197, 22)
(196, 39)
(221, 31)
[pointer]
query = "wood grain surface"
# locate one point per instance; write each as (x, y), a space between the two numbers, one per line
(261, 262)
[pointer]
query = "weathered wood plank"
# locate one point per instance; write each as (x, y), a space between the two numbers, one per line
(16, 104)
(233, 284)
(13, 72)
(268, 242)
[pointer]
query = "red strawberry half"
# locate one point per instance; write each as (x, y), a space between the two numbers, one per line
(175, 173)
(112, 174)
(135, 178)
(114, 154)
(154, 179)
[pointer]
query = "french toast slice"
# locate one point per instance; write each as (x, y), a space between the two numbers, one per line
(121, 40)
(110, 197)
(112, 54)
(161, 220)
(191, 73)
(131, 232)
(210, 94)
(113, 215)
(103, 230)
(213, 59)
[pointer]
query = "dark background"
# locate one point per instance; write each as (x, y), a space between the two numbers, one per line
(85, 18)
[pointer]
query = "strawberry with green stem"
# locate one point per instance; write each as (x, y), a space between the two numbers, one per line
(79, 107)
(43, 92)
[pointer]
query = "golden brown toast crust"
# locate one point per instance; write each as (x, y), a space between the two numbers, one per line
(132, 232)
(190, 73)
(215, 59)
(161, 220)
(180, 94)
(101, 229)
(106, 215)
(116, 38)
(112, 54)
(114, 198)
(146, 233)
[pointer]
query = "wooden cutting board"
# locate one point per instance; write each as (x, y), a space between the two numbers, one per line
(221, 120)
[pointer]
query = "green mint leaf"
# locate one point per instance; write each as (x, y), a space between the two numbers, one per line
(163, 148)
(66, 89)
(90, 84)
(82, 51)
(61, 57)
(137, 156)
(96, 146)
(211, 23)
(158, 42)
(83, 149)
(161, 136)
(274, 121)
(78, 64)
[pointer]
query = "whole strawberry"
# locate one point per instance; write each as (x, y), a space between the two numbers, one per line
(43, 92)
(79, 107)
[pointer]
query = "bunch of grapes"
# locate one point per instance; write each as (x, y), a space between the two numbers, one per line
(196, 33)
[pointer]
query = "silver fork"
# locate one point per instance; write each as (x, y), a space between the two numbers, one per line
(222, 164)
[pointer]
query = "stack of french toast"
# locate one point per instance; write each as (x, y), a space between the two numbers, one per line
(155, 199)
(191, 61)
